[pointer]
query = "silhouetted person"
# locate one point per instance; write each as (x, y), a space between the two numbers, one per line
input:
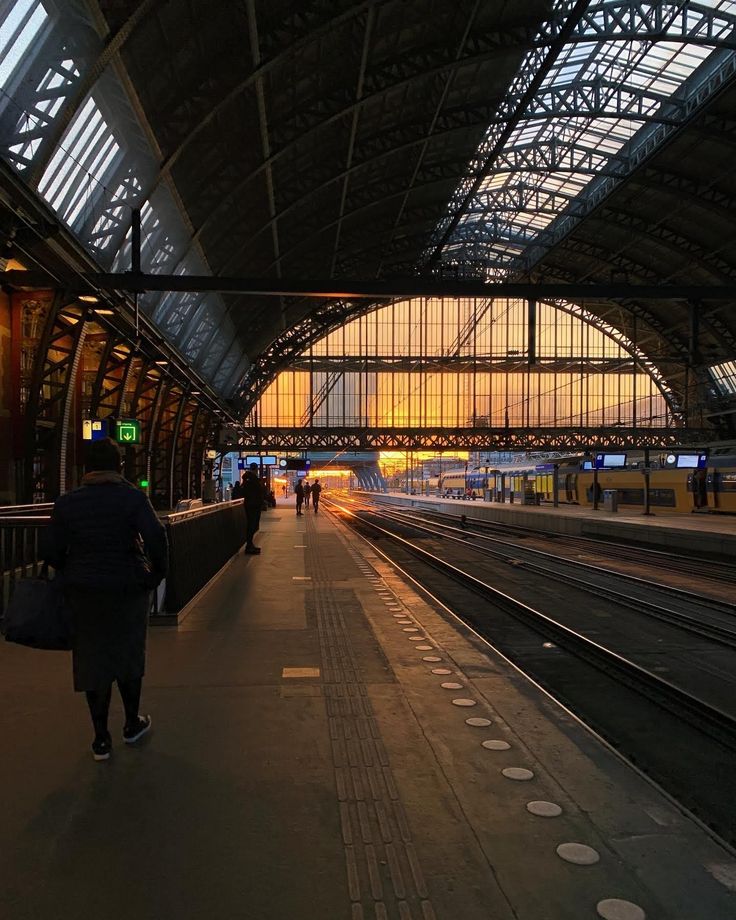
(254, 495)
(316, 492)
(307, 493)
(110, 549)
(237, 491)
(299, 493)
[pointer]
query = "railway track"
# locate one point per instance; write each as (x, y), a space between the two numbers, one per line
(721, 571)
(700, 615)
(665, 728)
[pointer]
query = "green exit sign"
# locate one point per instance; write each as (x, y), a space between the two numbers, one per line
(128, 431)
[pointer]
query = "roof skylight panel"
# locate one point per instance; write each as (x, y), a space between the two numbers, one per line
(19, 28)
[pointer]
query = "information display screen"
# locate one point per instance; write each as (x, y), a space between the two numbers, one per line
(691, 461)
(610, 461)
(267, 460)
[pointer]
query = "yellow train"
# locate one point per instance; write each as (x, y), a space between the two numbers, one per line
(699, 480)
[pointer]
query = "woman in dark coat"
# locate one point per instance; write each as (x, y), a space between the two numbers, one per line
(111, 551)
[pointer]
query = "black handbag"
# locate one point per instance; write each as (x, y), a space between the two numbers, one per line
(37, 615)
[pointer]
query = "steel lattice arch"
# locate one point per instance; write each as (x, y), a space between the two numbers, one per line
(477, 439)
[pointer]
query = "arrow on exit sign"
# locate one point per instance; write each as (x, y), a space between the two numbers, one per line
(128, 431)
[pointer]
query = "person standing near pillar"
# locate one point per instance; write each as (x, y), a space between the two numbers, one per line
(316, 492)
(299, 493)
(307, 492)
(254, 495)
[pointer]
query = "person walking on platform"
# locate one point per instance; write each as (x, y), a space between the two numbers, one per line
(299, 493)
(254, 495)
(316, 492)
(237, 491)
(109, 548)
(307, 493)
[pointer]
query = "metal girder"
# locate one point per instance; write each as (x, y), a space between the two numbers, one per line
(255, 53)
(671, 239)
(596, 99)
(388, 190)
(437, 112)
(86, 83)
(310, 33)
(640, 149)
(359, 89)
(516, 439)
(351, 289)
(698, 189)
(538, 65)
(459, 363)
(670, 20)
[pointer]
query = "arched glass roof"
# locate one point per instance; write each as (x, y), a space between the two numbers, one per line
(365, 138)
(611, 93)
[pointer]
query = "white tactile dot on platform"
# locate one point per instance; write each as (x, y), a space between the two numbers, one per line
(517, 773)
(431, 657)
(427, 648)
(450, 685)
(477, 722)
(410, 629)
(440, 670)
(463, 702)
(578, 853)
(404, 622)
(544, 809)
(615, 909)
(494, 745)
(415, 638)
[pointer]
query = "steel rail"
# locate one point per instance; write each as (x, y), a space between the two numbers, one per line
(686, 566)
(713, 631)
(715, 721)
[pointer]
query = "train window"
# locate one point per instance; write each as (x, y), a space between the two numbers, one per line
(665, 498)
(727, 482)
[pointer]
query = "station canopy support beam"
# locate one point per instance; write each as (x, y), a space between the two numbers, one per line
(512, 439)
(390, 289)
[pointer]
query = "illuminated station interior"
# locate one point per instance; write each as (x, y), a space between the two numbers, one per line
(412, 326)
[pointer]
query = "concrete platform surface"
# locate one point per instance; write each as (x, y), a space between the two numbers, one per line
(716, 533)
(306, 762)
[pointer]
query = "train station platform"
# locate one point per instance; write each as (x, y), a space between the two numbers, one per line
(328, 745)
(716, 533)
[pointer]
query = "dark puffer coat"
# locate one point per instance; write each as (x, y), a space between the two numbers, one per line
(105, 536)
(111, 550)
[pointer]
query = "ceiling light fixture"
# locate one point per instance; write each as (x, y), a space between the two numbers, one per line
(89, 298)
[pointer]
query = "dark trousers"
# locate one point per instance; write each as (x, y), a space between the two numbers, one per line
(253, 522)
(315, 502)
(299, 503)
(99, 704)
(306, 499)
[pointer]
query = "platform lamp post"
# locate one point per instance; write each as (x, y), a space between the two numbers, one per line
(647, 497)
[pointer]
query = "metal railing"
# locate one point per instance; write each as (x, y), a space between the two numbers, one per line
(21, 547)
(201, 541)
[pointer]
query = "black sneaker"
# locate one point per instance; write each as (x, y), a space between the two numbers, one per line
(102, 747)
(252, 550)
(132, 733)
